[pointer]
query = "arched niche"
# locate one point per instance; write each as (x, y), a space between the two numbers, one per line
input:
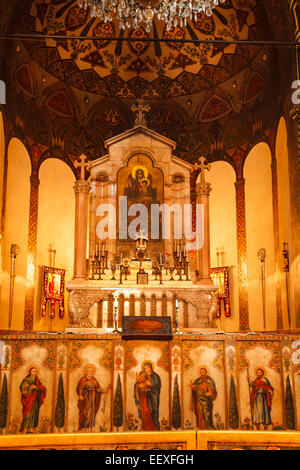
(260, 234)
(2, 152)
(284, 213)
(223, 236)
(56, 218)
(16, 232)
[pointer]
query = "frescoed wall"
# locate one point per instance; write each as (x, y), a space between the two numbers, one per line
(105, 384)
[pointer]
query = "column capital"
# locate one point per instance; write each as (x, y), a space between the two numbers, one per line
(82, 186)
(240, 182)
(203, 189)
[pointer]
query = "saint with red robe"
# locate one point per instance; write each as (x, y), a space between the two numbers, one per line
(89, 393)
(142, 387)
(32, 397)
(261, 396)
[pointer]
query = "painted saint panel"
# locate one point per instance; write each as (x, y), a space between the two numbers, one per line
(147, 386)
(204, 385)
(90, 379)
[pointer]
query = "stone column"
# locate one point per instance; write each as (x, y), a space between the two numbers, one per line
(81, 189)
(31, 246)
(203, 190)
(93, 207)
(242, 253)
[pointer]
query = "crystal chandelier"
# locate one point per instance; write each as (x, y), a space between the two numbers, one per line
(133, 13)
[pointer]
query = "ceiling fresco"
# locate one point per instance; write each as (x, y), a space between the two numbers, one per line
(75, 93)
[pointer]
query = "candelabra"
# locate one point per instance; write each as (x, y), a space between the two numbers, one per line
(113, 268)
(98, 264)
(115, 330)
(181, 262)
(177, 330)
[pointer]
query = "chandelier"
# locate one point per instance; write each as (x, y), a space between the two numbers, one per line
(133, 13)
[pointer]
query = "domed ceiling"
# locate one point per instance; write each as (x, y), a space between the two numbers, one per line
(74, 93)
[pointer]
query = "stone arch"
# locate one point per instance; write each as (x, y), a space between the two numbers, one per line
(223, 231)
(260, 234)
(284, 215)
(56, 228)
(16, 226)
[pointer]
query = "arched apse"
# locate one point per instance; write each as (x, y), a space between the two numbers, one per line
(2, 152)
(260, 234)
(16, 232)
(284, 213)
(222, 215)
(56, 218)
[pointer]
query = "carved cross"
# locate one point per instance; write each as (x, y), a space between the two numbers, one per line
(202, 166)
(83, 165)
(140, 108)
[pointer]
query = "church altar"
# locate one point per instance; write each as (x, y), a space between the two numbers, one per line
(150, 265)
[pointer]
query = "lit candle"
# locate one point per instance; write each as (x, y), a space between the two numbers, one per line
(116, 302)
(176, 303)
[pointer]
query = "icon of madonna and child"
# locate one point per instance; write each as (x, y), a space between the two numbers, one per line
(147, 396)
(140, 187)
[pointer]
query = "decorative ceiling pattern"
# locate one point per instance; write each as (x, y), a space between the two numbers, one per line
(77, 92)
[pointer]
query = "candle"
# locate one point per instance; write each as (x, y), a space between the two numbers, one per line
(116, 302)
(121, 258)
(93, 254)
(176, 303)
(160, 258)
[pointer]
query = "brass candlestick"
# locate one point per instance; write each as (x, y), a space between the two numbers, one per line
(115, 330)
(177, 330)
(262, 257)
(286, 270)
(14, 252)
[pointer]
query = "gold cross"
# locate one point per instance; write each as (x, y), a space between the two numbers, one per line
(140, 107)
(82, 164)
(202, 166)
